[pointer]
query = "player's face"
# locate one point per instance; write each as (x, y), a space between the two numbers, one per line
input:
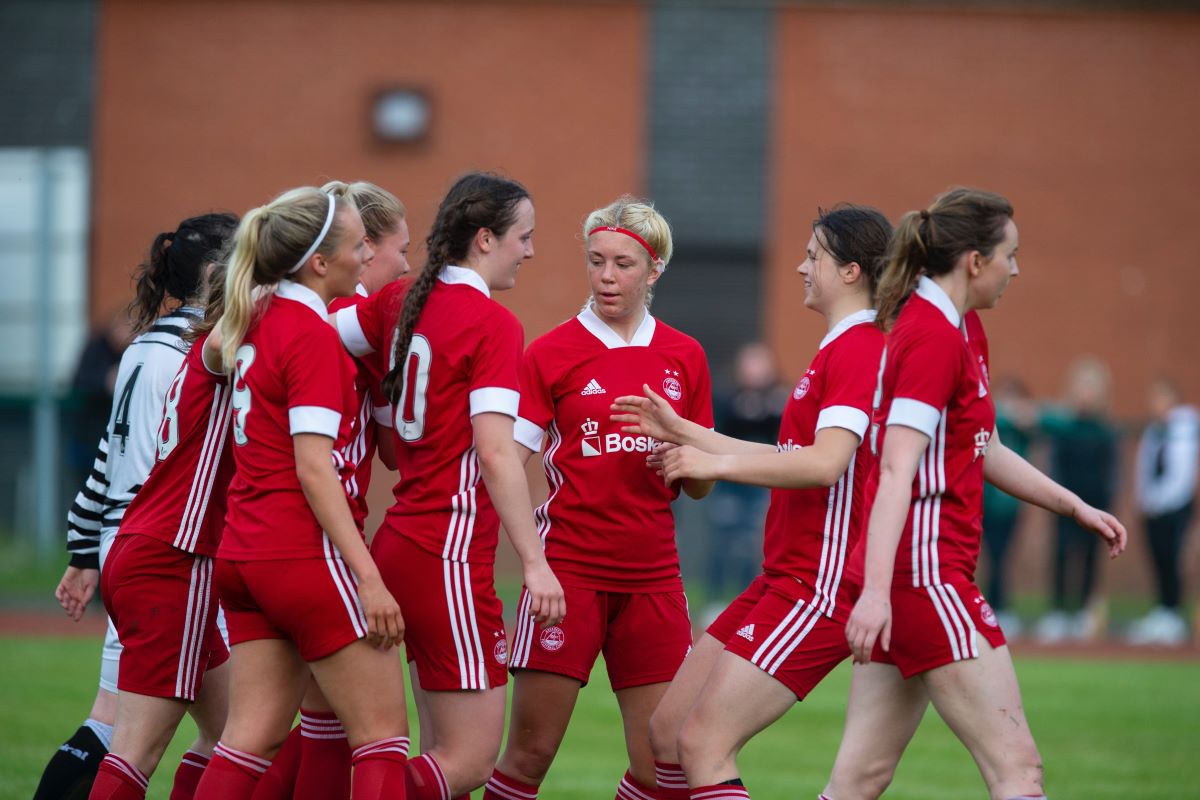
(995, 272)
(345, 266)
(619, 273)
(390, 260)
(513, 247)
(820, 274)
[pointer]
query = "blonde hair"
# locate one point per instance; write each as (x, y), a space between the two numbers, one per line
(268, 243)
(641, 217)
(380, 209)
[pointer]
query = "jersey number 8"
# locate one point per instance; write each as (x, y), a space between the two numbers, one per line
(168, 431)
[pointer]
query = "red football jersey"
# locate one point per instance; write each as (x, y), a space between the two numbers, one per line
(810, 532)
(607, 524)
(934, 379)
(463, 361)
(182, 501)
(373, 411)
(291, 376)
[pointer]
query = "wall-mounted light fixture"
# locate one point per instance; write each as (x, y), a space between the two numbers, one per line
(400, 115)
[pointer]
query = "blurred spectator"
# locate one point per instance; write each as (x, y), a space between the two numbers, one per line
(92, 389)
(752, 411)
(1166, 492)
(1083, 457)
(1016, 422)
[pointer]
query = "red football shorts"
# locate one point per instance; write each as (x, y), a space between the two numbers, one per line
(453, 620)
(937, 625)
(644, 636)
(311, 601)
(161, 601)
(775, 626)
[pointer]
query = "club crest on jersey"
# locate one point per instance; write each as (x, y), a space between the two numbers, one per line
(671, 384)
(986, 614)
(802, 388)
(552, 639)
(982, 439)
(500, 651)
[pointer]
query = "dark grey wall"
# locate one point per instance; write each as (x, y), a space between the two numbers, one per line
(709, 97)
(46, 71)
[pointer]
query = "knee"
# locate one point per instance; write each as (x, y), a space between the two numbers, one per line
(531, 758)
(1027, 768)
(867, 779)
(664, 735)
(692, 743)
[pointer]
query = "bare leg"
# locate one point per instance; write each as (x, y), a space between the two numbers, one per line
(680, 696)
(144, 728)
(424, 723)
(637, 705)
(738, 701)
(266, 681)
(882, 715)
(468, 727)
(365, 688)
(211, 709)
(980, 700)
(541, 709)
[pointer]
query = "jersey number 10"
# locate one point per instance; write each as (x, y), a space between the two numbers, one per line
(410, 411)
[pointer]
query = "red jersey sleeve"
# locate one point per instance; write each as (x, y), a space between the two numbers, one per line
(494, 380)
(366, 326)
(314, 396)
(849, 389)
(537, 402)
(928, 368)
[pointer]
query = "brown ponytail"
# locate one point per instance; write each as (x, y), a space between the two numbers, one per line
(931, 241)
(175, 266)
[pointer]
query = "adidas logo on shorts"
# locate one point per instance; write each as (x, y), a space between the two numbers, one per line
(747, 632)
(592, 388)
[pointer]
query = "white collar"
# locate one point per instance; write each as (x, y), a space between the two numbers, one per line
(929, 290)
(361, 291)
(452, 274)
(849, 321)
(610, 338)
(290, 290)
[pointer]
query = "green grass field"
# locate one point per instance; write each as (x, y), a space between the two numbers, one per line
(1106, 729)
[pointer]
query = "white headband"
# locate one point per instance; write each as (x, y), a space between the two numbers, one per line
(320, 236)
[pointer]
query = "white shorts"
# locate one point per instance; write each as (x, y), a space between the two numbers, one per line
(110, 656)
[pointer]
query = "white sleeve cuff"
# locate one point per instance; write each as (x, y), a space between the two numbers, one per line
(314, 419)
(527, 434)
(351, 332)
(915, 414)
(382, 415)
(852, 419)
(493, 398)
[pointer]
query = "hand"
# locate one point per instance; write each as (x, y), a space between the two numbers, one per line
(547, 602)
(870, 620)
(75, 590)
(688, 462)
(654, 461)
(647, 416)
(385, 624)
(1104, 525)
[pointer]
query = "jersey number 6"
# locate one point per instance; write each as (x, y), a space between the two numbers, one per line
(410, 411)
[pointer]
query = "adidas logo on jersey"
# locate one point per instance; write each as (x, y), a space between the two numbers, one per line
(747, 632)
(592, 388)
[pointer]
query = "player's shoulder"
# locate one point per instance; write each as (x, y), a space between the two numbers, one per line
(919, 323)
(863, 338)
(668, 336)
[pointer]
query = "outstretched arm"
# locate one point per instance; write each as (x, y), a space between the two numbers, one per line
(821, 464)
(653, 416)
(1012, 474)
